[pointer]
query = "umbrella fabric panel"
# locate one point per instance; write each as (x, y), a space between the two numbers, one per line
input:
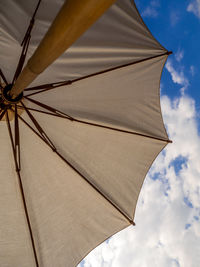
(127, 98)
(15, 245)
(117, 38)
(114, 162)
(9, 54)
(15, 17)
(73, 209)
(68, 216)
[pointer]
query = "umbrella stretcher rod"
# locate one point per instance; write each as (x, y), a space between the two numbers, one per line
(74, 18)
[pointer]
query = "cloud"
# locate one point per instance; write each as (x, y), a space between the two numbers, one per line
(151, 10)
(192, 70)
(167, 231)
(179, 55)
(194, 7)
(177, 77)
(174, 18)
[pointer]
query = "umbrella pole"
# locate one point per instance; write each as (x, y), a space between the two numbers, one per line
(74, 18)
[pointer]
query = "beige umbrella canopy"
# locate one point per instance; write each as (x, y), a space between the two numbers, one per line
(77, 143)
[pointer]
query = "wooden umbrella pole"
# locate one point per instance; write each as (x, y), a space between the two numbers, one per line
(74, 18)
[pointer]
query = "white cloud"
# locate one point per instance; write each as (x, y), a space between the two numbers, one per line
(177, 77)
(174, 17)
(167, 231)
(151, 10)
(192, 70)
(179, 55)
(194, 7)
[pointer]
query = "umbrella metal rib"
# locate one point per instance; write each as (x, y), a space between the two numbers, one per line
(44, 112)
(22, 59)
(94, 124)
(17, 166)
(43, 136)
(3, 77)
(63, 115)
(39, 128)
(49, 108)
(3, 112)
(49, 85)
(15, 140)
(25, 44)
(73, 19)
(46, 87)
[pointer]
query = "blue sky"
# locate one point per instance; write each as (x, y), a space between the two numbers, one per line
(176, 25)
(167, 232)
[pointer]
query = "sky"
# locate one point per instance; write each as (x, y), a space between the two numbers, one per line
(167, 231)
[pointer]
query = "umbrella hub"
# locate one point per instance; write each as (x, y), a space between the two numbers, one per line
(8, 98)
(7, 103)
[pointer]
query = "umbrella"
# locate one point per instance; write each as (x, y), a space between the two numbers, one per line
(77, 144)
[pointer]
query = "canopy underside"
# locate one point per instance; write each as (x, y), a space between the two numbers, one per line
(80, 151)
